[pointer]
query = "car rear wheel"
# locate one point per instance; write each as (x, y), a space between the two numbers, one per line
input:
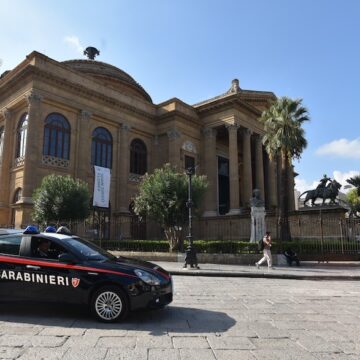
(109, 304)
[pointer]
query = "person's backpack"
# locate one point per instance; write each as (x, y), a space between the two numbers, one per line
(261, 245)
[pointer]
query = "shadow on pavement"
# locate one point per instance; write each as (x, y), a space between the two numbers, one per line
(152, 322)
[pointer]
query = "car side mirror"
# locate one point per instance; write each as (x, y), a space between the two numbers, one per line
(67, 258)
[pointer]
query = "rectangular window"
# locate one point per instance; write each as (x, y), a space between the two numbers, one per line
(10, 245)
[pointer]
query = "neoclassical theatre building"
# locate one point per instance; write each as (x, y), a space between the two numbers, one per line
(64, 117)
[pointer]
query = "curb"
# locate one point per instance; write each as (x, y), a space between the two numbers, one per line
(263, 275)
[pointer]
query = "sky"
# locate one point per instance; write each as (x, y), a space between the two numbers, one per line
(191, 50)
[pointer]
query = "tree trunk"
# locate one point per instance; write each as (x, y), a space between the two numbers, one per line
(284, 207)
(175, 238)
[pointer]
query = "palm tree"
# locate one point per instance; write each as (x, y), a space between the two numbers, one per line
(285, 139)
(355, 181)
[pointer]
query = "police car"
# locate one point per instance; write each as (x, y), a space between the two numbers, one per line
(57, 267)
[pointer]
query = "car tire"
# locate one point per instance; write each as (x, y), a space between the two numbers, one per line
(109, 304)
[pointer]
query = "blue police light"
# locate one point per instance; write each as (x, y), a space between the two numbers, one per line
(31, 229)
(50, 229)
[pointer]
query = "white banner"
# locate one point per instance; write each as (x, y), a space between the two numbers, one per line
(101, 187)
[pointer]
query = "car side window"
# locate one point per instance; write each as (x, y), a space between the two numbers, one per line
(45, 248)
(10, 244)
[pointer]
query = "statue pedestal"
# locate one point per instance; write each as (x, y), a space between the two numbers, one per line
(257, 223)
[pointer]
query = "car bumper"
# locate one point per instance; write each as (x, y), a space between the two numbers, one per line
(153, 297)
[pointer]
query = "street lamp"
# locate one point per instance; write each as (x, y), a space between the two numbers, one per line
(190, 257)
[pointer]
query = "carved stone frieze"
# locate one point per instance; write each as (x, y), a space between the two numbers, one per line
(125, 127)
(173, 134)
(189, 147)
(85, 115)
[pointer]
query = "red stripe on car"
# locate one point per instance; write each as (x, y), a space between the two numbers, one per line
(60, 265)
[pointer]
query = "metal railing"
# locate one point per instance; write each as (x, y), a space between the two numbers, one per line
(319, 236)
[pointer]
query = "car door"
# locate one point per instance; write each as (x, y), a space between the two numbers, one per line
(11, 288)
(51, 279)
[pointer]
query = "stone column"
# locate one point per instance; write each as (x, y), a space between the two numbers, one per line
(33, 148)
(83, 153)
(247, 172)
(234, 170)
(174, 148)
(259, 167)
(210, 170)
(5, 165)
(124, 169)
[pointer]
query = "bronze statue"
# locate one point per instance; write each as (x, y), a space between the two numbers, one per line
(323, 183)
(323, 191)
(91, 52)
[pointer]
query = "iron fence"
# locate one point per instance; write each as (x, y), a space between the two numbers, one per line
(320, 236)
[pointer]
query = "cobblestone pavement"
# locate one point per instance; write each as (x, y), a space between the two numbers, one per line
(210, 318)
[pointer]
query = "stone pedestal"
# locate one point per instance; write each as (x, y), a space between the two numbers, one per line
(257, 223)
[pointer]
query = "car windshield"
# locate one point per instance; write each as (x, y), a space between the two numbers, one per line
(89, 251)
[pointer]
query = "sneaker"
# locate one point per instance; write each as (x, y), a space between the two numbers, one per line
(257, 265)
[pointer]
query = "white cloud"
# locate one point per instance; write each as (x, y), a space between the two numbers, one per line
(303, 185)
(341, 177)
(74, 42)
(341, 148)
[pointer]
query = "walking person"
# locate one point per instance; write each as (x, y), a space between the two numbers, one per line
(266, 251)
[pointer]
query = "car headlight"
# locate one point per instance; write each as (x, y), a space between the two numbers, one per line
(147, 278)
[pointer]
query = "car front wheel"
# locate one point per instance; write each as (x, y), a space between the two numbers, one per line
(109, 304)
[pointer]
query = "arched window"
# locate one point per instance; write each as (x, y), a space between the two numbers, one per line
(21, 136)
(138, 157)
(17, 195)
(1, 143)
(57, 136)
(101, 148)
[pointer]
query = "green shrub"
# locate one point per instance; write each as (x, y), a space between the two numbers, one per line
(231, 247)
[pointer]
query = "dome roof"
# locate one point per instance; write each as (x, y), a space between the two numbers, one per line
(110, 76)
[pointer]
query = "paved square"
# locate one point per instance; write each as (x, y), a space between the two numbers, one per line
(210, 318)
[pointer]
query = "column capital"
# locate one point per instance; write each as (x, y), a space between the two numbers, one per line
(125, 127)
(33, 98)
(257, 136)
(209, 132)
(173, 134)
(6, 113)
(232, 127)
(246, 132)
(85, 115)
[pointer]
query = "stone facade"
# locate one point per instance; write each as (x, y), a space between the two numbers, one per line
(221, 136)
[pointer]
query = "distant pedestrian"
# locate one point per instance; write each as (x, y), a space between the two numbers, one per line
(291, 256)
(266, 251)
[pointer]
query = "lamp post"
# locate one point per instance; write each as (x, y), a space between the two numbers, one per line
(190, 257)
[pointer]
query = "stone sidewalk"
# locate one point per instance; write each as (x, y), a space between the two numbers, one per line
(307, 271)
(211, 318)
